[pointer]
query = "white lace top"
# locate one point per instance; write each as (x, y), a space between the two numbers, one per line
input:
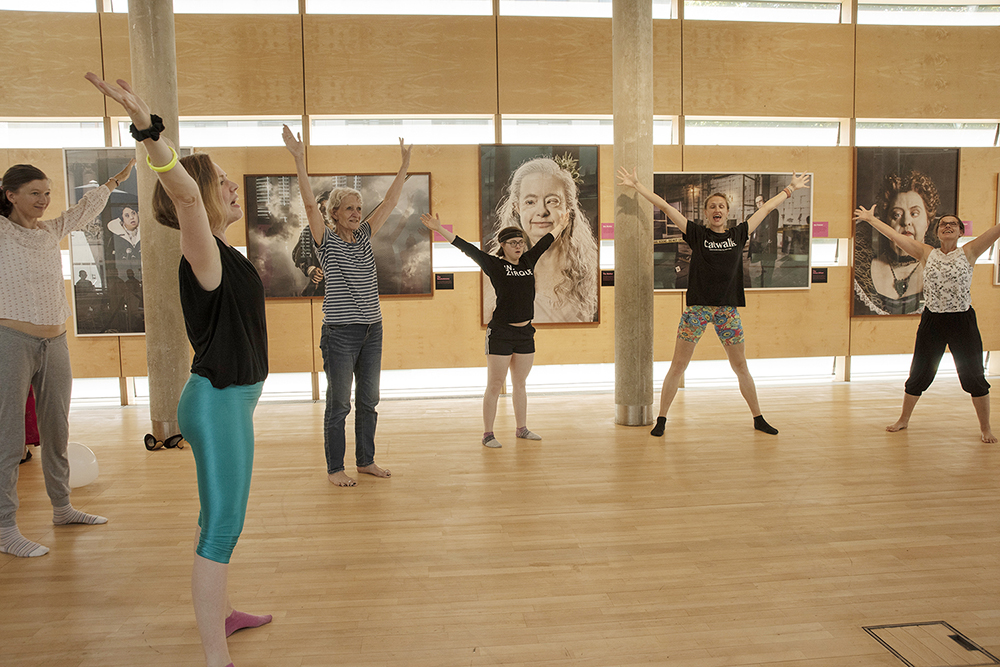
(31, 281)
(947, 282)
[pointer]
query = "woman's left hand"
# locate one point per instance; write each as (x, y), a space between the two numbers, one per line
(123, 175)
(405, 150)
(866, 214)
(561, 226)
(799, 181)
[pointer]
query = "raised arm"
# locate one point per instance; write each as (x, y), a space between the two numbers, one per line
(382, 212)
(434, 224)
(315, 217)
(631, 180)
(798, 182)
(981, 243)
(197, 240)
(912, 247)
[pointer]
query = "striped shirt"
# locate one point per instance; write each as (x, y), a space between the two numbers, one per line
(351, 282)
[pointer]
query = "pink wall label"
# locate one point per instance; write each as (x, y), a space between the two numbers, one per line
(607, 230)
(821, 229)
(440, 239)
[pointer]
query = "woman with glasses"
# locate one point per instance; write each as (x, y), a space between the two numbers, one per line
(948, 317)
(510, 338)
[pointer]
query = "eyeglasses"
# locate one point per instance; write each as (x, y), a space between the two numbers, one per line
(516, 243)
(952, 223)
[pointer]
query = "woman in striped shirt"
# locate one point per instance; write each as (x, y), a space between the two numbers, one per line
(352, 319)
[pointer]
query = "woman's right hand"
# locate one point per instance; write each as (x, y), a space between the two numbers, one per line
(628, 180)
(432, 223)
(134, 106)
(293, 143)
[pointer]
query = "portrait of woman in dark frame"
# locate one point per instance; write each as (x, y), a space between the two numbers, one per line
(909, 188)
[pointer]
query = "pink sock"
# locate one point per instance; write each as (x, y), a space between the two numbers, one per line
(239, 620)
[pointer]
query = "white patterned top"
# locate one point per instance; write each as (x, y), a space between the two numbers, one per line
(31, 282)
(947, 282)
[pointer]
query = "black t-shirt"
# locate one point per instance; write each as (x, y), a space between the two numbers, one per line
(514, 284)
(226, 326)
(716, 277)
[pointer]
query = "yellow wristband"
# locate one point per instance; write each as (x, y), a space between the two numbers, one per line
(167, 167)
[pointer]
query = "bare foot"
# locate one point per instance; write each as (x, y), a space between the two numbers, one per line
(988, 436)
(340, 478)
(898, 426)
(374, 470)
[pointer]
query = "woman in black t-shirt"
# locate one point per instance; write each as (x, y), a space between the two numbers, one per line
(510, 338)
(715, 288)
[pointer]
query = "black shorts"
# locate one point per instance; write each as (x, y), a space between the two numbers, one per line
(506, 339)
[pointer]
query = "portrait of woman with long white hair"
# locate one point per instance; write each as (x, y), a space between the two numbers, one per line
(539, 192)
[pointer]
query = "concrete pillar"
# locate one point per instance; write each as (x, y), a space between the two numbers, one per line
(632, 55)
(154, 78)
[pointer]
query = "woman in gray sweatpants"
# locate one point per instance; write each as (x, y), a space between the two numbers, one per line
(33, 351)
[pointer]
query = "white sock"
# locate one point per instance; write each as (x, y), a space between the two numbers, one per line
(66, 514)
(14, 543)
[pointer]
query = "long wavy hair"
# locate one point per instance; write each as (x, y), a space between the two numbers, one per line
(575, 252)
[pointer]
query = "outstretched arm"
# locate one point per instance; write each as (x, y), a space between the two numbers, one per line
(381, 214)
(631, 180)
(313, 214)
(197, 240)
(981, 243)
(912, 247)
(434, 224)
(798, 182)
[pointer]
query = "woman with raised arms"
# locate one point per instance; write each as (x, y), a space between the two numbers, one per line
(222, 299)
(510, 338)
(715, 289)
(948, 317)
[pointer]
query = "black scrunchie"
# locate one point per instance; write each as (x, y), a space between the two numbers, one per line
(151, 132)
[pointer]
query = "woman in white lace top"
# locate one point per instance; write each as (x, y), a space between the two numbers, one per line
(948, 317)
(33, 350)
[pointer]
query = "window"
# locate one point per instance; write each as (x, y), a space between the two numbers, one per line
(77, 6)
(386, 130)
(925, 133)
(784, 11)
(412, 7)
(662, 9)
(222, 131)
(763, 132)
(915, 12)
(218, 6)
(51, 133)
(546, 130)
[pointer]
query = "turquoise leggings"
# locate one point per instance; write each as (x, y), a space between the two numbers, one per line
(219, 425)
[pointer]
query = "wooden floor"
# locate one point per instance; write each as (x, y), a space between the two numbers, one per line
(598, 546)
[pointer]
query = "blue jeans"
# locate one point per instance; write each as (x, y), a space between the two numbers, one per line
(351, 351)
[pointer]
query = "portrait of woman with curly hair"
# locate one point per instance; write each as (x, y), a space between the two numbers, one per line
(887, 279)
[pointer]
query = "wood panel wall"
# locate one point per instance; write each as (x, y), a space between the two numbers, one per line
(296, 65)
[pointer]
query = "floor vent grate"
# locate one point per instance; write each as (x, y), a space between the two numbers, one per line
(933, 644)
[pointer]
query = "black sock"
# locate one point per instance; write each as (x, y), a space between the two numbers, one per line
(661, 423)
(761, 425)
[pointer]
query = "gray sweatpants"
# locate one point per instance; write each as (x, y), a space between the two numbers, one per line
(42, 363)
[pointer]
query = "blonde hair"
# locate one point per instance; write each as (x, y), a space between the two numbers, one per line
(575, 252)
(336, 196)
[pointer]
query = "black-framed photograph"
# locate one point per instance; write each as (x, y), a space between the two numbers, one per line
(527, 187)
(105, 256)
(911, 189)
(280, 245)
(779, 251)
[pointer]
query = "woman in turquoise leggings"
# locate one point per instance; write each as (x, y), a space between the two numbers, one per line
(223, 302)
